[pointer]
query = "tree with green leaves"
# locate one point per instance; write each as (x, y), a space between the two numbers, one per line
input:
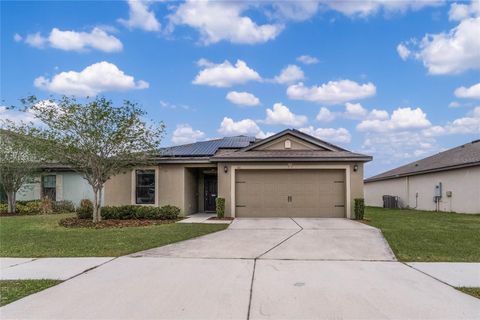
(95, 138)
(17, 164)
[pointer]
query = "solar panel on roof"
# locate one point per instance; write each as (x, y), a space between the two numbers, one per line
(207, 148)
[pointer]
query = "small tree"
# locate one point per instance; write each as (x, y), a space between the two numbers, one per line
(17, 164)
(95, 138)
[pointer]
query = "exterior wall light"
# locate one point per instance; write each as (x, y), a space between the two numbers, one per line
(225, 169)
(355, 167)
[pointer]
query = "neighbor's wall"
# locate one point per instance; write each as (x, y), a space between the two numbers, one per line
(70, 186)
(75, 188)
(394, 187)
(224, 179)
(463, 183)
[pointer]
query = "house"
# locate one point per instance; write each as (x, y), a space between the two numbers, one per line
(58, 183)
(447, 181)
(289, 174)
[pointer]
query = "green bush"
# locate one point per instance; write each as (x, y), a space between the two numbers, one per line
(3, 207)
(85, 210)
(29, 207)
(359, 208)
(220, 207)
(140, 212)
(63, 206)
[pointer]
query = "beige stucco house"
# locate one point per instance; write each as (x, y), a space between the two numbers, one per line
(290, 174)
(448, 181)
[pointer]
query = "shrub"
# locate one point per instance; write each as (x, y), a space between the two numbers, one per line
(63, 206)
(3, 208)
(140, 212)
(46, 206)
(85, 210)
(29, 207)
(359, 208)
(220, 207)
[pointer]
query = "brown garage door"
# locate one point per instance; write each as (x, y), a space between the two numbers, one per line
(290, 193)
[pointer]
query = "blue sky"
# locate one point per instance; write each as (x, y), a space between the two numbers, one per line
(396, 80)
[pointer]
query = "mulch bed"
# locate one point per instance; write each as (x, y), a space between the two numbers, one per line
(223, 219)
(111, 223)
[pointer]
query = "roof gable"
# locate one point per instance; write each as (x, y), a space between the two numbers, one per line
(297, 140)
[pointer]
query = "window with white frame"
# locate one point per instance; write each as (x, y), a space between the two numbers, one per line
(145, 186)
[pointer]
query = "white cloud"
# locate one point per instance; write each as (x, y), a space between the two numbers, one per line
(36, 40)
(333, 92)
(167, 105)
(472, 92)
(355, 111)
(243, 98)
(76, 41)
(295, 10)
(141, 16)
(390, 147)
(246, 127)
(325, 115)
(289, 74)
(461, 11)
(280, 114)
(453, 52)
(184, 134)
(401, 119)
(454, 104)
(306, 59)
(370, 7)
(223, 20)
(403, 51)
(340, 135)
(94, 79)
(17, 37)
(378, 115)
(470, 124)
(16, 116)
(225, 74)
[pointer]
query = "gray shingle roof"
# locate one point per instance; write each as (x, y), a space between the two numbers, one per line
(458, 157)
(207, 148)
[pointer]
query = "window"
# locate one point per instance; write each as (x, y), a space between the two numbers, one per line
(49, 187)
(145, 187)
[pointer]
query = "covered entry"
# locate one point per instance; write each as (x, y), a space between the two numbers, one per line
(290, 193)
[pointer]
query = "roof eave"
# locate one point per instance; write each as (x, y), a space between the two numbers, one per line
(289, 159)
(409, 174)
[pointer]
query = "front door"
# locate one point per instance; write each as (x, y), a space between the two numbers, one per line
(210, 192)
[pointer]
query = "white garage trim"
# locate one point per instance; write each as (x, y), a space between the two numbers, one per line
(291, 167)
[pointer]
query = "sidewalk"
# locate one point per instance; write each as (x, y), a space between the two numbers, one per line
(456, 274)
(47, 268)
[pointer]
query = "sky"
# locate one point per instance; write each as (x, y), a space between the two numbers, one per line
(395, 80)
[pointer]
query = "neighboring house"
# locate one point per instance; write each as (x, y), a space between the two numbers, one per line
(290, 174)
(448, 181)
(58, 183)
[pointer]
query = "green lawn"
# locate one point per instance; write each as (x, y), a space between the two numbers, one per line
(428, 236)
(41, 236)
(11, 290)
(471, 291)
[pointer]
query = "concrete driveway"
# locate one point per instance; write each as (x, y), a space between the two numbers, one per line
(256, 269)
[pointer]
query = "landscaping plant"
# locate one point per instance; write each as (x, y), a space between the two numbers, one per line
(220, 207)
(359, 208)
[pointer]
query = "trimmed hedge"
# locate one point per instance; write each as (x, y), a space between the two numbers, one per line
(220, 207)
(359, 208)
(44, 206)
(131, 212)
